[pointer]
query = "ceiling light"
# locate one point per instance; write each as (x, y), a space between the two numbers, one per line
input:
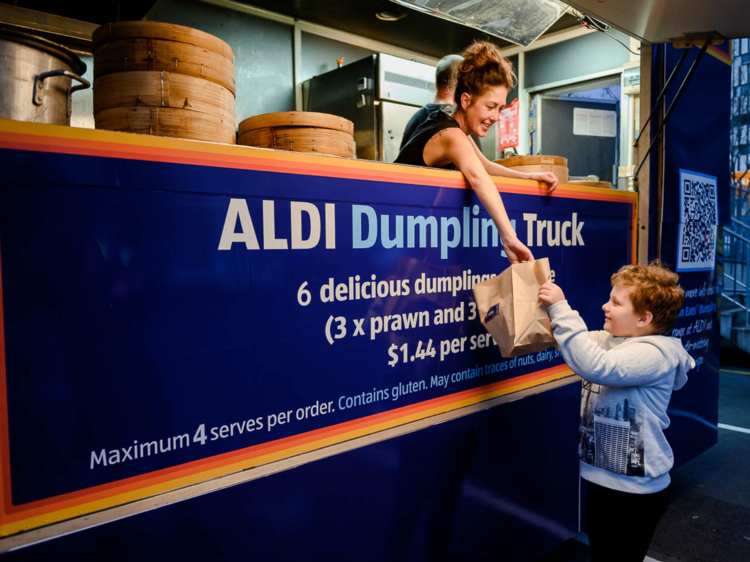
(390, 15)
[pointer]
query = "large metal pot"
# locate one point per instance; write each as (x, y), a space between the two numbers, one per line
(36, 77)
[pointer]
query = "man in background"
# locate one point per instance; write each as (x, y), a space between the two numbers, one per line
(445, 84)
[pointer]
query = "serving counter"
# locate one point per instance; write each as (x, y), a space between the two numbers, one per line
(174, 312)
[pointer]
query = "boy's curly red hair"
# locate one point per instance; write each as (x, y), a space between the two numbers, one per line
(654, 290)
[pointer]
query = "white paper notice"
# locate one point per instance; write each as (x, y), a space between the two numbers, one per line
(594, 122)
(609, 123)
(580, 121)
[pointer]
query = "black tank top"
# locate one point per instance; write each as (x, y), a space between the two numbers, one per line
(413, 151)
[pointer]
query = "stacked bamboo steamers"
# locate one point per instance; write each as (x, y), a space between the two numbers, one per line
(300, 131)
(173, 81)
(163, 79)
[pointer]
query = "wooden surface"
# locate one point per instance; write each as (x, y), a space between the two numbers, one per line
(301, 139)
(533, 161)
(591, 183)
(157, 30)
(126, 55)
(167, 122)
(297, 119)
(162, 89)
(561, 172)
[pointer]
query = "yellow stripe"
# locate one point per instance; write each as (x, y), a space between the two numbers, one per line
(735, 372)
(120, 499)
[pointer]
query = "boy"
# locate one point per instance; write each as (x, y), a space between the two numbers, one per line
(629, 372)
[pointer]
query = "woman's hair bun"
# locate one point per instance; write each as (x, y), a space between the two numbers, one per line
(483, 67)
(480, 54)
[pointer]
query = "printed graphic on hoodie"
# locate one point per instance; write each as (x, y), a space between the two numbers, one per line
(610, 434)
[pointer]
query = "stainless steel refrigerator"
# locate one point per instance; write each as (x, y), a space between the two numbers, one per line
(379, 94)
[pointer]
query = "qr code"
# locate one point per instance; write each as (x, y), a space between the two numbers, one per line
(698, 219)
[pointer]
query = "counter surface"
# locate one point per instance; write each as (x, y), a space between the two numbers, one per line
(175, 311)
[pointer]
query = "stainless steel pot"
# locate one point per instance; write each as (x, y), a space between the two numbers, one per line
(36, 78)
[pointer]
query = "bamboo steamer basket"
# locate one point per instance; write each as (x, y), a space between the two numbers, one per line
(558, 165)
(167, 122)
(127, 46)
(134, 54)
(299, 131)
(591, 183)
(301, 139)
(165, 80)
(163, 89)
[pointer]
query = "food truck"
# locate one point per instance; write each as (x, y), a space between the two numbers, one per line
(223, 350)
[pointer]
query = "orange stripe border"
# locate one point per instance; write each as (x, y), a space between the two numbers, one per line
(34, 137)
(723, 56)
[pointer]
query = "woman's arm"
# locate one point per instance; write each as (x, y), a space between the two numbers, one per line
(495, 169)
(452, 145)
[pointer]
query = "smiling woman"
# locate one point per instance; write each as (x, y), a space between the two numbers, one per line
(442, 141)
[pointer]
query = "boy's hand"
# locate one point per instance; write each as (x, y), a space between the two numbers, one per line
(549, 294)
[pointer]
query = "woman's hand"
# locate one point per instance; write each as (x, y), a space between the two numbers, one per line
(549, 294)
(517, 252)
(547, 177)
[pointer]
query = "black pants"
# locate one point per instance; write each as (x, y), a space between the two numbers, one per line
(621, 525)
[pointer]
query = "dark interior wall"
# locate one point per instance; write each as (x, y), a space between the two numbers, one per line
(513, 93)
(319, 54)
(263, 54)
(586, 154)
(581, 56)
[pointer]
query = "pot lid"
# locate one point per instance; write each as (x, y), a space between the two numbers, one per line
(58, 51)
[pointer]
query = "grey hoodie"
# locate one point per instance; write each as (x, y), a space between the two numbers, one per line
(626, 390)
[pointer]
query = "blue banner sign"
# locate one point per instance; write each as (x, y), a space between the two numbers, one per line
(174, 311)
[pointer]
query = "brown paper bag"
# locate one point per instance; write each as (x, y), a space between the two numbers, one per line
(510, 309)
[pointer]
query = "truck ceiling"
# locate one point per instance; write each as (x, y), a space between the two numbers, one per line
(663, 21)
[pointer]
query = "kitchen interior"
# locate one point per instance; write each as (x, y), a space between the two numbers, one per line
(335, 78)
